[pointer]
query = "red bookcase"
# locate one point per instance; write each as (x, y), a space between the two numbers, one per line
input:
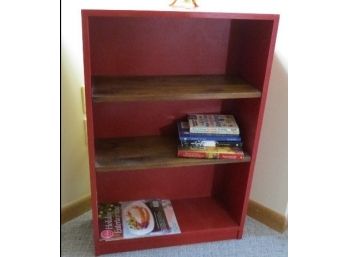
(144, 70)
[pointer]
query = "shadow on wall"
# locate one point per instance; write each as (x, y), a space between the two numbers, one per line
(74, 157)
(270, 183)
(279, 78)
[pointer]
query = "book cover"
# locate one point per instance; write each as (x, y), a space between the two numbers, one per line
(185, 135)
(148, 218)
(213, 124)
(134, 219)
(110, 221)
(233, 153)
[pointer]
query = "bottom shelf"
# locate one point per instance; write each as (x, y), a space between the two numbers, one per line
(201, 214)
(200, 220)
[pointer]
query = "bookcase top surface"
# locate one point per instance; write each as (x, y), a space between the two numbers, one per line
(177, 14)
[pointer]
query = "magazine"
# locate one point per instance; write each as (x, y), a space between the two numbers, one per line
(143, 218)
(110, 222)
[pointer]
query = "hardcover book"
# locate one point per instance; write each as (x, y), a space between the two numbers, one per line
(134, 219)
(210, 143)
(233, 153)
(185, 135)
(213, 124)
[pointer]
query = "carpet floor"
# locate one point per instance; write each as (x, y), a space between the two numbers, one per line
(258, 241)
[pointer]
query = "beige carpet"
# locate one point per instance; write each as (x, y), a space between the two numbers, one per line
(258, 241)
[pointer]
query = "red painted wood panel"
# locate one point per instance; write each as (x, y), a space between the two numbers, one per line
(256, 38)
(89, 116)
(247, 113)
(158, 46)
(167, 183)
(149, 118)
(230, 183)
(259, 74)
(180, 14)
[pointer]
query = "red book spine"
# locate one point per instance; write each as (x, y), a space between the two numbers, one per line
(190, 154)
(233, 156)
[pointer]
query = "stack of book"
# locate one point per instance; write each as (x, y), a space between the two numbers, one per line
(210, 136)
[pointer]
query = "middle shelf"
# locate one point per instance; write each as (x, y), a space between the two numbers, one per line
(148, 152)
(198, 87)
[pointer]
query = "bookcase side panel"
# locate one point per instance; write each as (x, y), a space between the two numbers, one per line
(89, 116)
(253, 53)
(258, 74)
(246, 112)
(256, 40)
(230, 183)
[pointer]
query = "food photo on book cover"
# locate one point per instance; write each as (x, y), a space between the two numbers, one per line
(132, 219)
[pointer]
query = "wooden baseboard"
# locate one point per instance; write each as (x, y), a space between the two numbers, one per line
(267, 216)
(75, 209)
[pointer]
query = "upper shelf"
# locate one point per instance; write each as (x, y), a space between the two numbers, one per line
(108, 89)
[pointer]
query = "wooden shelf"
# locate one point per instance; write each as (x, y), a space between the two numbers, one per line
(200, 219)
(145, 153)
(107, 89)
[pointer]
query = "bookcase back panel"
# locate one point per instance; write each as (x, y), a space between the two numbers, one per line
(150, 118)
(246, 112)
(170, 183)
(158, 45)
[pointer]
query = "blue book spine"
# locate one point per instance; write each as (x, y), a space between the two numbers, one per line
(185, 135)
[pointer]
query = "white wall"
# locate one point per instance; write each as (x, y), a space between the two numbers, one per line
(270, 177)
(75, 175)
(270, 185)
(74, 172)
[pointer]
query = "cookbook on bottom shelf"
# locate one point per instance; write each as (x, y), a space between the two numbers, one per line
(143, 218)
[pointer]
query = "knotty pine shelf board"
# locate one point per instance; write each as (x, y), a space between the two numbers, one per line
(108, 89)
(136, 153)
(200, 219)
